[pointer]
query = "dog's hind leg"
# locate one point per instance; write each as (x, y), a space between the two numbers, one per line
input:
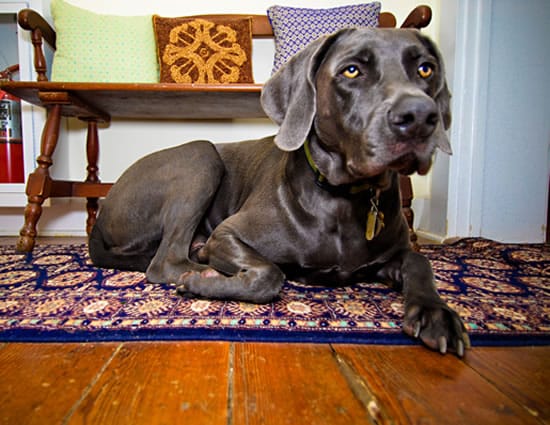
(150, 214)
(181, 216)
(103, 254)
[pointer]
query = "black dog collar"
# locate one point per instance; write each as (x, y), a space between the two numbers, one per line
(322, 182)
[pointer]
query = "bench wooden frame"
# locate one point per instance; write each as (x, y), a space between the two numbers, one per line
(99, 102)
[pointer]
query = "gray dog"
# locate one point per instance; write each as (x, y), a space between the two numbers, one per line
(318, 203)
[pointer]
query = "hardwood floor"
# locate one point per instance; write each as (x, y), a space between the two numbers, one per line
(255, 383)
(259, 383)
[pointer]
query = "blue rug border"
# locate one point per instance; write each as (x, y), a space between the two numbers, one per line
(233, 335)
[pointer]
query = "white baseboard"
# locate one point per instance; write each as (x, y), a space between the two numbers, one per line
(430, 237)
(64, 217)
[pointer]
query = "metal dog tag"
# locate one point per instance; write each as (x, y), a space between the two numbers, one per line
(379, 223)
(375, 220)
(372, 218)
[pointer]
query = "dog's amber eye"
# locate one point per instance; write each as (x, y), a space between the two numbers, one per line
(351, 72)
(425, 70)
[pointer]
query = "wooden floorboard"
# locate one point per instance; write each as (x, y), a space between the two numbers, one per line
(413, 385)
(160, 383)
(40, 383)
(289, 384)
(255, 383)
(522, 373)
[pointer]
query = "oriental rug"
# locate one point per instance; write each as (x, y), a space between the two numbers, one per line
(501, 291)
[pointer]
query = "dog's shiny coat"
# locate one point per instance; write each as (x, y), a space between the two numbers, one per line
(230, 221)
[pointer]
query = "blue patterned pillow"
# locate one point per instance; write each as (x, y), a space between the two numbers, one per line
(294, 28)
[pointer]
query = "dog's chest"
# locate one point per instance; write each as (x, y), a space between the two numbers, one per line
(345, 235)
(332, 253)
(337, 237)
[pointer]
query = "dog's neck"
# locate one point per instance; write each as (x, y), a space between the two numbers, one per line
(344, 189)
(322, 181)
(375, 217)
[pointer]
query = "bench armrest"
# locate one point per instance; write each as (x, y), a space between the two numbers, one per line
(32, 21)
(420, 17)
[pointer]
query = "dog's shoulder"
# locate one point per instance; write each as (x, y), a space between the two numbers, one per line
(250, 152)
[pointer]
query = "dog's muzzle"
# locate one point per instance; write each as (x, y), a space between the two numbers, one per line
(413, 118)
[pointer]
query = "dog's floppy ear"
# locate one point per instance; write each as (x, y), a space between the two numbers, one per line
(443, 96)
(443, 100)
(288, 97)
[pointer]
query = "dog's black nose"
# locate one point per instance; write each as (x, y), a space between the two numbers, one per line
(413, 117)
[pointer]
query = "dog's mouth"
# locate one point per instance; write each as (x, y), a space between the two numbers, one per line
(405, 158)
(411, 163)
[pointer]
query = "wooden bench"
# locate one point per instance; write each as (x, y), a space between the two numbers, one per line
(99, 102)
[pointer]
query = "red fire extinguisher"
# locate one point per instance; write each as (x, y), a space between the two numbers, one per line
(11, 142)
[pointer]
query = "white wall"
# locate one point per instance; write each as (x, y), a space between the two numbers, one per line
(498, 182)
(125, 141)
(516, 168)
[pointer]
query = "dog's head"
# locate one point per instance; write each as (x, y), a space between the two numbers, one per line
(376, 98)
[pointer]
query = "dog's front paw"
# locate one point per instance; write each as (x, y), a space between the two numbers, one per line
(437, 326)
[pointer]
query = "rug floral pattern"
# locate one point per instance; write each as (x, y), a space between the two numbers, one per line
(501, 291)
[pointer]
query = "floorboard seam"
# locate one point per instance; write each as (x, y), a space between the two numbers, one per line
(360, 389)
(89, 387)
(230, 383)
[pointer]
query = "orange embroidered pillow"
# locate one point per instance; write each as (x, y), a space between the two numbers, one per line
(206, 49)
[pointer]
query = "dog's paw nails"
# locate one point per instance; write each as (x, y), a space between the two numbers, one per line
(438, 327)
(462, 345)
(417, 329)
(442, 343)
(460, 348)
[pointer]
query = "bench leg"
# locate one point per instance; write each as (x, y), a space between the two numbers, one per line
(39, 182)
(92, 152)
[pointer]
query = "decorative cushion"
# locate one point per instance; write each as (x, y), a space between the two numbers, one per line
(204, 49)
(102, 48)
(294, 28)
